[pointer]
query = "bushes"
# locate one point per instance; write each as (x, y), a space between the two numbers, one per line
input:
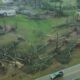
(65, 56)
(38, 65)
(35, 67)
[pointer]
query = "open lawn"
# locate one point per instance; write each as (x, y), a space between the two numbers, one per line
(29, 28)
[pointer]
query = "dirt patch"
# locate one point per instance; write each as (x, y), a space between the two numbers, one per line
(78, 45)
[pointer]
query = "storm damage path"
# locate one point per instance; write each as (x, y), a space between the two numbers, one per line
(71, 73)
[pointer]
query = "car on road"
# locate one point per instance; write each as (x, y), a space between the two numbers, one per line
(56, 75)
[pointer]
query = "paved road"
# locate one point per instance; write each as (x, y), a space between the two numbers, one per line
(69, 73)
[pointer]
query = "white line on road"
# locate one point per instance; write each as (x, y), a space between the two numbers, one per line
(71, 73)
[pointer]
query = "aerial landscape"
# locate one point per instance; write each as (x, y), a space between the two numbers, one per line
(39, 39)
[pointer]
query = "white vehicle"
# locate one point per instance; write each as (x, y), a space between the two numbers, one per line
(6, 12)
(56, 75)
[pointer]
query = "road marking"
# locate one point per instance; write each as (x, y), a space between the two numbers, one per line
(71, 73)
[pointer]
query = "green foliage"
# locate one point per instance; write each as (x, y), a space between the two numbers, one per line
(64, 56)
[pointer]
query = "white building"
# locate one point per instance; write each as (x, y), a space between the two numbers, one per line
(7, 1)
(7, 12)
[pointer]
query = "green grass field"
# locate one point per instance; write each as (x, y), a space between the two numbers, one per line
(28, 28)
